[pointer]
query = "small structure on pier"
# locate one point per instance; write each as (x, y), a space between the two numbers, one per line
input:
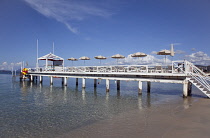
(57, 62)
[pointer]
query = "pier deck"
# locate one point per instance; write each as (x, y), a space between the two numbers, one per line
(178, 72)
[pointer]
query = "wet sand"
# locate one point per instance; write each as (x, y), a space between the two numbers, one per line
(186, 118)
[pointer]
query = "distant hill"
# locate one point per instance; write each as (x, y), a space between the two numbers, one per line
(9, 72)
(5, 72)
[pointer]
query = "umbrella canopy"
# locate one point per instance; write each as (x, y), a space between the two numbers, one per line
(118, 56)
(84, 58)
(139, 54)
(100, 58)
(164, 52)
(72, 59)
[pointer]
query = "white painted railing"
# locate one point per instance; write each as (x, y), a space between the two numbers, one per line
(197, 74)
(177, 67)
(119, 68)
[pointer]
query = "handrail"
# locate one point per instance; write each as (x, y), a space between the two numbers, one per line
(197, 74)
(120, 68)
(173, 69)
(191, 70)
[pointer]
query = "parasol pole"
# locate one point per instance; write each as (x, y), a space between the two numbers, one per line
(53, 47)
(37, 50)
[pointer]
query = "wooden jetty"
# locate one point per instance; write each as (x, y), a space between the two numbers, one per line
(182, 72)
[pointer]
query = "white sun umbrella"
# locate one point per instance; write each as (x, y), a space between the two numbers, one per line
(139, 54)
(164, 52)
(100, 58)
(84, 58)
(72, 59)
(118, 56)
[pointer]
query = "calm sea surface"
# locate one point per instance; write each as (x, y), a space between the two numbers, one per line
(31, 109)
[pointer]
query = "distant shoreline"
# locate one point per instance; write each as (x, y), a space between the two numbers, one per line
(5, 72)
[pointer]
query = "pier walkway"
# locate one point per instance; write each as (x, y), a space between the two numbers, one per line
(182, 72)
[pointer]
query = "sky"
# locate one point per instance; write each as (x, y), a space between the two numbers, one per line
(103, 27)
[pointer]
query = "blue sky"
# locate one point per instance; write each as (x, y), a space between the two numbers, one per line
(104, 27)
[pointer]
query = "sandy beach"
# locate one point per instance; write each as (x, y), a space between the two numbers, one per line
(185, 118)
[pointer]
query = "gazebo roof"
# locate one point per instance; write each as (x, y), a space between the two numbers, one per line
(51, 57)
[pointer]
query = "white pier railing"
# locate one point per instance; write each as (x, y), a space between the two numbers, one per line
(177, 67)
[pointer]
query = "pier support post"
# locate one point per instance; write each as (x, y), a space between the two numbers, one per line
(118, 84)
(32, 78)
(185, 88)
(62, 80)
(107, 85)
(65, 81)
(189, 88)
(140, 87)
(148, 86)
(51, 80)
(95, 83)
(40, 79)
(83, 82)
(76, 81)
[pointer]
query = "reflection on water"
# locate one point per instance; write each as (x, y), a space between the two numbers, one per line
(31, 109)
(187, 102)
(140, 102)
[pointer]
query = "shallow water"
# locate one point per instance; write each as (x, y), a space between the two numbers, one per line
(31, 109)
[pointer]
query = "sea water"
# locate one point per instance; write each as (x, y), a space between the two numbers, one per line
(31, 109)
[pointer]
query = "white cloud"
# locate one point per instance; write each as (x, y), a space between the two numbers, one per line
(4, 63)
(179, 52)
(199, 58)
(154, 52)
(66, 11)
(9, 66)
(148, 60)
